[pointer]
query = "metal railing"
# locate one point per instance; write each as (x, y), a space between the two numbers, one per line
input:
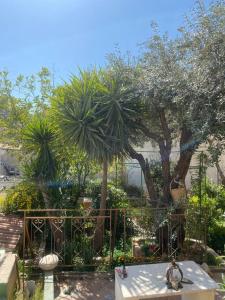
(82, 238)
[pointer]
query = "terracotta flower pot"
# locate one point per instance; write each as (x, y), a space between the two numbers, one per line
(178, 194)
(87, 203)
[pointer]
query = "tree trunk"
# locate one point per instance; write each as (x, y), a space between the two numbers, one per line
(99, 233)
(56, 232)
(46, 198)
(122, 171)
(145, 167)
(165, 145)
(187, 149)
(165, 162)
(114, 230)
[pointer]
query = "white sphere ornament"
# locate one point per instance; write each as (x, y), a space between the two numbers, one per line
(48, 262)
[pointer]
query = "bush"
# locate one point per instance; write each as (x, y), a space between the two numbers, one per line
(213, 207)
(133, 191)
(217, 236)
(210, 259)
(2, 200)
(23, 196)
(80, 251)
(117, 197)
(65, 194)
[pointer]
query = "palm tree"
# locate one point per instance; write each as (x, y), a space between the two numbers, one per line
(93, 112)
(41, 166)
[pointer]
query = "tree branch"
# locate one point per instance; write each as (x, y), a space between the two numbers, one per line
(151, 135)
(144, 164)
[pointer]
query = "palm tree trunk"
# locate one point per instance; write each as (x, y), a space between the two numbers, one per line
(57, 234)
(99, 233)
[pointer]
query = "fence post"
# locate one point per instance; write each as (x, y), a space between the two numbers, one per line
(124, 229)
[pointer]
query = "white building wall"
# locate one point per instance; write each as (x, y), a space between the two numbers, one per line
(133, 169)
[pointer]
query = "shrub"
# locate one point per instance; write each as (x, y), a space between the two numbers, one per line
(212, 210)
(117, 197)
(133, 190)
(210, 259)
(64, 194)
(23, 196)
(217, 236)
(2, 200)
(80, 251)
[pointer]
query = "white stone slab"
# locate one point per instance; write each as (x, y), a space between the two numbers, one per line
(149, 281)
(49, 286)
(8, 276)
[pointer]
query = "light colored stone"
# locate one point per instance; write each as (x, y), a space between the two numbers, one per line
(8, 276)
(48, 262)
(49, 286)
(149, 281)
(205, 267)
(2, 254)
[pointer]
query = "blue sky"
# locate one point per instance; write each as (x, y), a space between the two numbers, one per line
(65, 34)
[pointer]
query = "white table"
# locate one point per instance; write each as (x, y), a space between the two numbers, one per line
(149, 282)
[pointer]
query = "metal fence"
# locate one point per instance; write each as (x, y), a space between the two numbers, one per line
(82, 238)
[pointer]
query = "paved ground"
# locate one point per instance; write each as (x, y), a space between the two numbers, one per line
(91, 287)
(11, 228)
(85, 287)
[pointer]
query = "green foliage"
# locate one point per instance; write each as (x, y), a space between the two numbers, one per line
(93, 112)
(217, 236)
(118, 253)
(204, 43)
(117, 197)
(2, 200)
(75, 165)
(210, 259)
(212, 197)
(80, 251)
(133, 190)
(24, 196)
(38, 138)
(38, 294)
(19, 100)
(222, 284)
(174, 79)
(212, 210)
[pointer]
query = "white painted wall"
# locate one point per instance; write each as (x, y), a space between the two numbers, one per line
(133, 170)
